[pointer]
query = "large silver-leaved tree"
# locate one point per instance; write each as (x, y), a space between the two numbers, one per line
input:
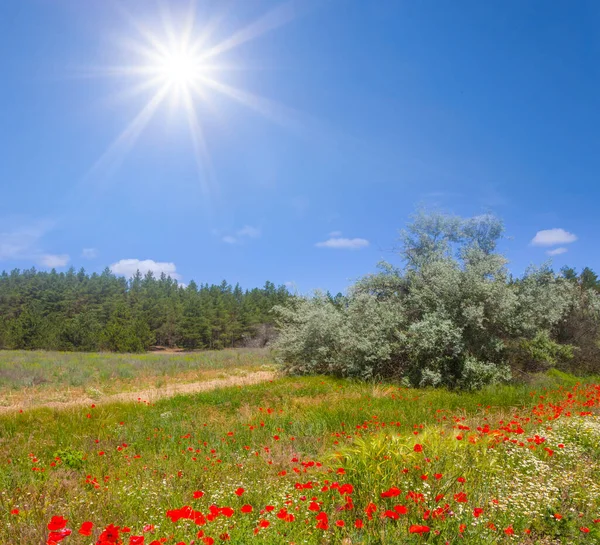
(450, 316)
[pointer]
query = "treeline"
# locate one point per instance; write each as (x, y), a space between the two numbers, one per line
(90, 312)
(452, 315)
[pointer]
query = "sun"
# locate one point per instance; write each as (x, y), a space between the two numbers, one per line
(185, 66)
(181, 69)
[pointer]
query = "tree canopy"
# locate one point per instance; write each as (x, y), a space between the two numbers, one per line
(78, 311)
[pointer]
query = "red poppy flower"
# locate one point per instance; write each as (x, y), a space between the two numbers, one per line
(58, 536)
(370, 509)
(418, 529)
(358, 524)
(418, 448)
(322, 521)
(226, 511)
(246, 509)
(110, 534)
(391, 492)
(57, 523)
(86, 528)
(198, 494)
(390, 514)
(239, 491)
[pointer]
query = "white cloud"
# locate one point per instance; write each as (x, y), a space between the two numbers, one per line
(335, 234)
(21, 243)
(553, 237)
(89, 253)
(52, 260)
(128, 267)
(248, 231)
(245, 232)
(343, 243)
(557, 251)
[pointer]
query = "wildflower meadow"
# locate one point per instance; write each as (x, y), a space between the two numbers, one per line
(312, 460)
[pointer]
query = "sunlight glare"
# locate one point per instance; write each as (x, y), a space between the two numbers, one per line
(180, 69)
(183, 67)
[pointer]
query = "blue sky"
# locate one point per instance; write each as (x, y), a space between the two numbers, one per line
(325, 124)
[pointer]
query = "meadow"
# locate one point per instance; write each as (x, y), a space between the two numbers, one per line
(33, 378)
(295, 460)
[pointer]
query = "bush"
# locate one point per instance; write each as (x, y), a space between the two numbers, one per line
(539, 353)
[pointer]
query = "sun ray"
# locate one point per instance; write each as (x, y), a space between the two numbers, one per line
(269, 109)
(134, 91)
(273, 19)
(204, 166)
(116, 152)
(157, 44)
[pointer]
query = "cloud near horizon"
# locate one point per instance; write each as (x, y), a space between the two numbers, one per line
(23, 243)
(553, 237)
(128, 268)
(54, 261)
(341, 243)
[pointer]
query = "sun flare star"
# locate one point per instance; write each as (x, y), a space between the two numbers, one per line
(181, 65)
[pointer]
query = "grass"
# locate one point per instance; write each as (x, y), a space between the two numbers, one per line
(30, 378)
(311, 455)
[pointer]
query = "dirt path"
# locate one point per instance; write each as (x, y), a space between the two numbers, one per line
(152, 395)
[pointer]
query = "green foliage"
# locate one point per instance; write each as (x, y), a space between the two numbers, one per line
(451, 317)
(541, 352)
(71, 458)
(80, 312)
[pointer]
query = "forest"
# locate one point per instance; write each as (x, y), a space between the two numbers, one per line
(90, 312)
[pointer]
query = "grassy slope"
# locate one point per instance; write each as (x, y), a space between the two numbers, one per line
(140, 461)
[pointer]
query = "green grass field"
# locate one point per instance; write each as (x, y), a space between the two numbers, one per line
(298, 460)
